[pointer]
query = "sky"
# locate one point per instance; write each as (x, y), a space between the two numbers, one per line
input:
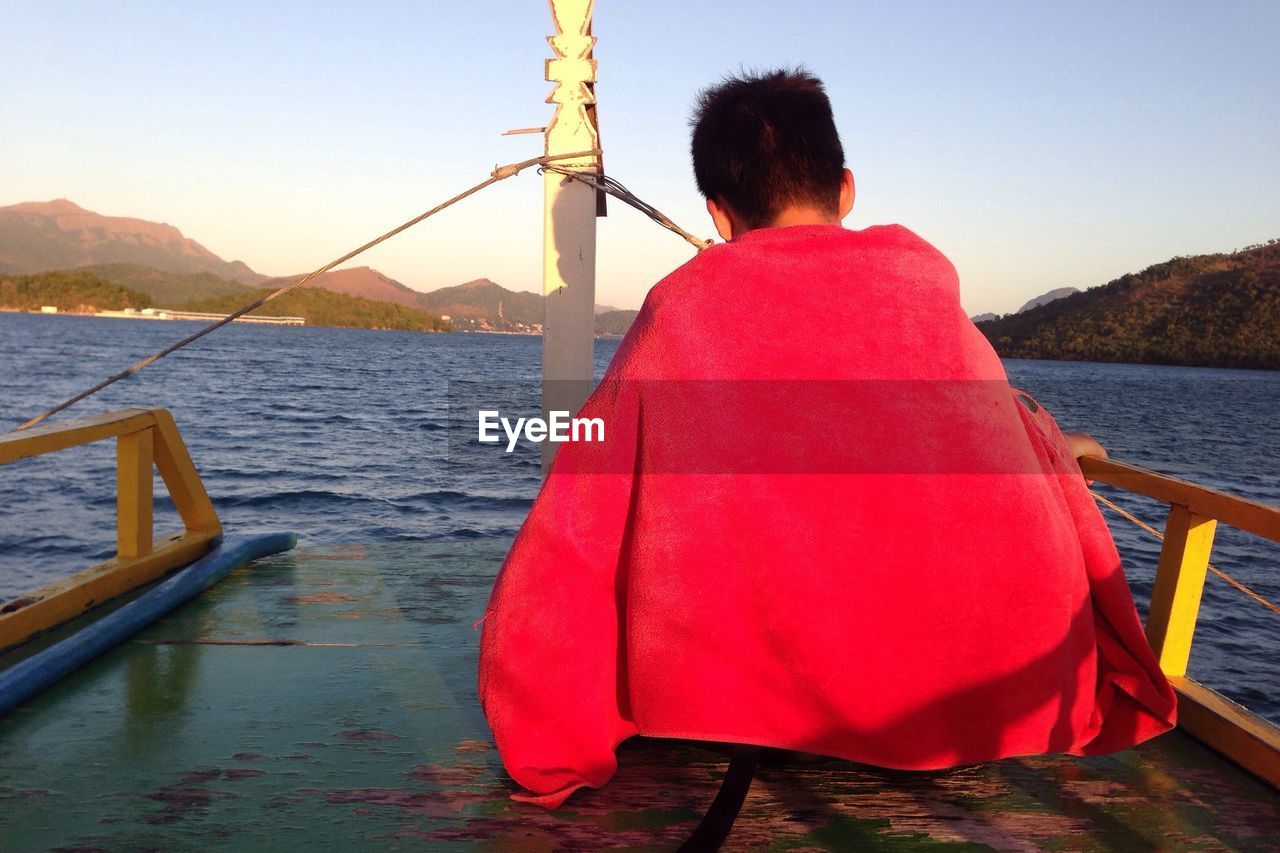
(1038, 145)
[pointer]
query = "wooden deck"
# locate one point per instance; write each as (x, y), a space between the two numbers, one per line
(325, 699)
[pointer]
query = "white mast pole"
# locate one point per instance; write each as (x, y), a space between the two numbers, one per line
(569, 219)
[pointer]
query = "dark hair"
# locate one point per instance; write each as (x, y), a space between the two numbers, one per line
(765, 141)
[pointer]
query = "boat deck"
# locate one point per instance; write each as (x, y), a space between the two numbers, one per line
(325, 699)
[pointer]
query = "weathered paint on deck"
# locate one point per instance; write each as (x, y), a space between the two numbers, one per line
(325, 699)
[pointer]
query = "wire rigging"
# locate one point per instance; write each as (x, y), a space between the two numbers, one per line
(604, 183)
(499, 173)
(1124, 513)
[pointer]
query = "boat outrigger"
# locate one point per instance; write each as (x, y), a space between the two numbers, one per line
(201, 690)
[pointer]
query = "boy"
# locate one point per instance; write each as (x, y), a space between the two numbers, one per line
(821, 519)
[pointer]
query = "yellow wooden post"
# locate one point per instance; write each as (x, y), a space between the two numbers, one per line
(143, 437)
(134, 460)
(181, 479)
(1175, 600)
(59, 436)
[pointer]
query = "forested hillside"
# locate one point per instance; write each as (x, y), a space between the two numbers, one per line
(168, 289)
(1213, 310)
(325, 308)
(68, 290)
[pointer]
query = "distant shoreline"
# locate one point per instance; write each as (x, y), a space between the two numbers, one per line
(163, 314)
(261, 321)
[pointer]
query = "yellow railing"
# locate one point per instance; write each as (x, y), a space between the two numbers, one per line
(145, 438)
(1194, 513)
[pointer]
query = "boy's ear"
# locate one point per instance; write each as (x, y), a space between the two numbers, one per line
(721, 218)
(847, 193)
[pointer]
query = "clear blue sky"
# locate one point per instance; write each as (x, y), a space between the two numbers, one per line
(1038, 144)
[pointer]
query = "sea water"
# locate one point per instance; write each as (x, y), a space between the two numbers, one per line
(346, 435)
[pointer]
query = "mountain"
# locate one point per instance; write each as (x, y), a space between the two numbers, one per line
(173, 271)
(167, 289)
(1218, 310)
(70, 291)
(615, 322)
(83, 291)
(480, 304)
(485, 304)
(1046, 298)
(40, 236)
(322, 307)
(982, 318)
(477, 305)
(358, 281)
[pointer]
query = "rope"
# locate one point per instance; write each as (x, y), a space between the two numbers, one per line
(1156, 533)
(604, 183)
(498, 174)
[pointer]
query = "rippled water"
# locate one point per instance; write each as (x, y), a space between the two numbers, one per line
(341, 436)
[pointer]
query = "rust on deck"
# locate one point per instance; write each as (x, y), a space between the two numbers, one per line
(325, 699)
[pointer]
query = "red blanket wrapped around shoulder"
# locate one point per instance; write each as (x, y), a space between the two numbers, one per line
(820, 520)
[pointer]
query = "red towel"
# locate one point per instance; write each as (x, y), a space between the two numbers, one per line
(820, 520)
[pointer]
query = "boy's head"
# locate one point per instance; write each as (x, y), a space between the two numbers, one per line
(765, 146)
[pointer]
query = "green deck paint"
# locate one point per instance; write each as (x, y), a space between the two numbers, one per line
(225, 725)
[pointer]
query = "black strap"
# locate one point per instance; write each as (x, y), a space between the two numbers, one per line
(718, 821)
